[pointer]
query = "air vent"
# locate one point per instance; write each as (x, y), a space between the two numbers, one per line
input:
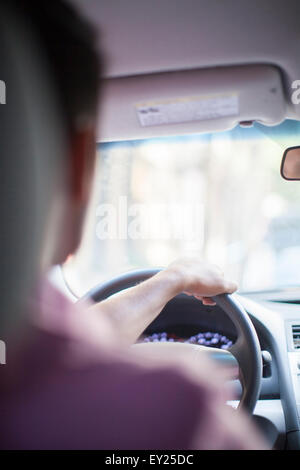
(296, 336)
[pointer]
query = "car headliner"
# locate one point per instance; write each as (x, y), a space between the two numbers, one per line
(142, 38)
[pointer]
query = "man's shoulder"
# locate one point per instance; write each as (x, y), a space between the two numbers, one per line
(158, 407)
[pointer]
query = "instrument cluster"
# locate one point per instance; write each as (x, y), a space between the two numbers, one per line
(206, 338)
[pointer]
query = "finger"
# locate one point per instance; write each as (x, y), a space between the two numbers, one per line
(198, 296)
(205, 300)
(208, 301)
(230, 287)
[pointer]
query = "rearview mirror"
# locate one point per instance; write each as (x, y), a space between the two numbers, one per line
(290, 165)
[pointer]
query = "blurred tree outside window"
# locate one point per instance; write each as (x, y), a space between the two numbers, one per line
(218, 194)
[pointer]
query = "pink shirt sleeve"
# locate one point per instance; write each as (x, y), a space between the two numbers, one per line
(65, 389)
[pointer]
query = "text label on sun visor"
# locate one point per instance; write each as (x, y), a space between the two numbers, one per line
(197, 108)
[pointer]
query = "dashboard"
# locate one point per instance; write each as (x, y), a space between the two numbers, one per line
(277, 324)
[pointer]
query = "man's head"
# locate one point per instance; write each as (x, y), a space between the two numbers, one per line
(68, 44)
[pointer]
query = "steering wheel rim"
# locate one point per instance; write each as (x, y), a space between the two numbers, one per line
(246, 349)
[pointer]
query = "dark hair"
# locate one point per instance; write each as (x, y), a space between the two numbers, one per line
(68, 42)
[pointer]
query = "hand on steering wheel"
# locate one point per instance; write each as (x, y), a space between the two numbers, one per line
(246, 349)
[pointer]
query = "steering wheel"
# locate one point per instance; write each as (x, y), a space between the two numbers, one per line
(246, 349)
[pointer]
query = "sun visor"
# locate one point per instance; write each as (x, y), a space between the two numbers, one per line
(194, 101)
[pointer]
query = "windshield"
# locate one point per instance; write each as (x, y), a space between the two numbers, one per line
(219, 194)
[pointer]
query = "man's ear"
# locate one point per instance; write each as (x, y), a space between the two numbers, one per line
(83, 153)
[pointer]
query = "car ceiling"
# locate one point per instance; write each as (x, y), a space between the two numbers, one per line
(142, 37)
